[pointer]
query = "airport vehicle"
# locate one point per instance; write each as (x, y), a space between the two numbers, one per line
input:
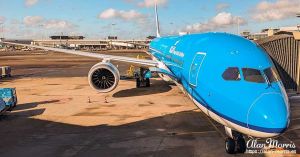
(230, 78)
(9, 96)
(128, 45)
(5, 71)
(2, 105)
(25, 49)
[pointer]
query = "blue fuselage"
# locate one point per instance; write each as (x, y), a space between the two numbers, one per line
(252, 103)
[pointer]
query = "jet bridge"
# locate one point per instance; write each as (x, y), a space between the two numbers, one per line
(284, 49)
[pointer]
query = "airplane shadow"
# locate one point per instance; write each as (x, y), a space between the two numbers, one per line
(178, 134)
(157, 86)
(22, 135)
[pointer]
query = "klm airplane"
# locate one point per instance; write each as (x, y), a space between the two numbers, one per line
(231, 79)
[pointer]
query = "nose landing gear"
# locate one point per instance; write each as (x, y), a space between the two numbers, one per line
(230, 145)
(235, 143)
(241, 143)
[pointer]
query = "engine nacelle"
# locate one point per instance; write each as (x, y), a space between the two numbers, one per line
(104, 77)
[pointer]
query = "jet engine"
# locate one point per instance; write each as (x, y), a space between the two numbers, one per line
(104, 77)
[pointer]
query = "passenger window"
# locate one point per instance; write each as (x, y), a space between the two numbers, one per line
(272, 74)
(232, 74)
(253, 75)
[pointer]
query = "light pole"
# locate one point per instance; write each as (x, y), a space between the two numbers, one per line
(171, 25)
(2, 30)
(61, 34)
(41, 30)
(238, 25)
(112, 29)
(298, 26)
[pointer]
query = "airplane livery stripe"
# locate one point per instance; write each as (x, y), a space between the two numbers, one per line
(257, 128)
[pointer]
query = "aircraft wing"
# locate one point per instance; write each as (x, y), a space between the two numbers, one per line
(138, 44)
(143, 62)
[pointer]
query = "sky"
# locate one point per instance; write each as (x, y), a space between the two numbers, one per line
(135, 19)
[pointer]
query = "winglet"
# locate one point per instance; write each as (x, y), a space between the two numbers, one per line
(157, 22)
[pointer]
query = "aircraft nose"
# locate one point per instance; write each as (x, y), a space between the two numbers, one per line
(269, 114)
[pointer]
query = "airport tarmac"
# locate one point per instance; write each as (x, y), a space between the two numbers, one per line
(58, 114)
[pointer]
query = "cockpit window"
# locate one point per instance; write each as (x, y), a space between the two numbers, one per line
(253, 75)
(272, 74)
(232, 74)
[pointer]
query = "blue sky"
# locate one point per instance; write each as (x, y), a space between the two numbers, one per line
(135, 18)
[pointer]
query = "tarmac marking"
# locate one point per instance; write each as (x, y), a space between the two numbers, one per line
(163, 138)
(195, 132)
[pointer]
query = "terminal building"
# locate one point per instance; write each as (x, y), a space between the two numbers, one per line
(63, 37)
(269, 32)
(80, 43)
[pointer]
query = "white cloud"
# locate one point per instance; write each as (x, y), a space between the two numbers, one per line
(30, 3)
(33, 20)
(58, 24)
(151, 3)
(2, 19)
(121, 14)
(221, 20)
(280, 9)
(107, 14)
(222, 6)
(15, 22)
(129, 1)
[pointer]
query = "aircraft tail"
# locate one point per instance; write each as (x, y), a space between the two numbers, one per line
(157, 22)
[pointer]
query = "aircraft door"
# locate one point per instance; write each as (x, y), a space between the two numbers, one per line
(195, 68)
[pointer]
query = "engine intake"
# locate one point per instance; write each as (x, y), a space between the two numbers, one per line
(104, 77)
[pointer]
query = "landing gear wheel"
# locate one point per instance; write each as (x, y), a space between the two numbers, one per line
(138, 83)
(147, 82)
(241, 145)
(230, 146)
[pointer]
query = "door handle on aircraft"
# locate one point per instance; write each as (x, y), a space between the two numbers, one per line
(193, 86)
